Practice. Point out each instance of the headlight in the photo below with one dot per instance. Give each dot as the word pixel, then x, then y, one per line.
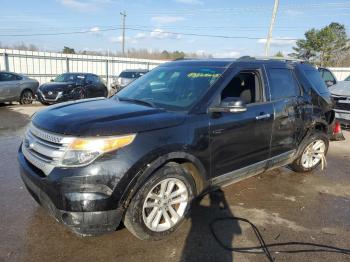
pixel 83 151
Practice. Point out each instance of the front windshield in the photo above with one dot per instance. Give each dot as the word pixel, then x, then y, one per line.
pixel 172 87
pixel 69 78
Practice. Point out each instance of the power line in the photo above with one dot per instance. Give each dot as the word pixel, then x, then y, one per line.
pixel 147 30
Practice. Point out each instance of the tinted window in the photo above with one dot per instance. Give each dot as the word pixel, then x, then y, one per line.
pixel 327 76
pixel 347 79
pixel 7 77
pixel 70 78
pixel 128 74
pixel 282 84
pixel 92 78
pixel 315 80
pixel 173 87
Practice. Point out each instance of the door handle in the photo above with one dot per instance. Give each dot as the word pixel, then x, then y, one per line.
pixel 262 116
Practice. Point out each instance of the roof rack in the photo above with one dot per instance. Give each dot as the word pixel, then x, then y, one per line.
pixel 277 58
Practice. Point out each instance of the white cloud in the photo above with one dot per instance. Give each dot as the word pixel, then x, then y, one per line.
pixel 94 29
pixel 165 19
pixel 140 36
pixel 161 34
pixel 227 54
pixel 190 2
pixel 281 41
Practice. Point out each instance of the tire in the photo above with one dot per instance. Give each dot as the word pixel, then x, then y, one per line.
pixel 44 103
pixel 137 212
pixel 314 140
pixel 26 97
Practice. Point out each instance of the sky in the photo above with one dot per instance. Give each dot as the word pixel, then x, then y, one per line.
pixel 154 24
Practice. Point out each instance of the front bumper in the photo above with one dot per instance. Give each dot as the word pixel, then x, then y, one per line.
pixel 83 216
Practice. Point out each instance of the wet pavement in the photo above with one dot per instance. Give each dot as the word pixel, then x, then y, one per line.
pixel 285 206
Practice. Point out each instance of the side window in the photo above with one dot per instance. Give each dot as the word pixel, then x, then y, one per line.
pixel 282 84
pixel 92 78
pixel 246 85
pixel 7 77
pixel 327 77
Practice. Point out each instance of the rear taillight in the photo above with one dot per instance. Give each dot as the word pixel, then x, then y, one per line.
pixel 337 128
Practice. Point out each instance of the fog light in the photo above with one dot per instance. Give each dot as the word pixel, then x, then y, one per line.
pixel 85 196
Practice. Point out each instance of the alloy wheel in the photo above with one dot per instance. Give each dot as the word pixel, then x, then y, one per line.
pixel 165 205
pixel 27 98
pixel 313 153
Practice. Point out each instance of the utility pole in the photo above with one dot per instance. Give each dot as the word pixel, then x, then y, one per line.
pixel 269 35
pixel 123 14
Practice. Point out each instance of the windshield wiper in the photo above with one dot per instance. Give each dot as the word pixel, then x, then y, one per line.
pixel 138 101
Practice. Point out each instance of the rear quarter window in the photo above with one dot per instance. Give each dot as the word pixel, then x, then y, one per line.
pixel 282 84
pixel 316 81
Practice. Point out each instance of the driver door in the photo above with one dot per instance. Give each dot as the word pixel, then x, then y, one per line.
pixel 241 139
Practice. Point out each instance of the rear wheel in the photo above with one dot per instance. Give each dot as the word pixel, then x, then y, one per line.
pixel 26 97
pixel 313 150
pixel 161 205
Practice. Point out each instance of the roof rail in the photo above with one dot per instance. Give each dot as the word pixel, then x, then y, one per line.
pixel 277 58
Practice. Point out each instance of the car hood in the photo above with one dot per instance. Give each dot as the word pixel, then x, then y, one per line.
pixel 56 86
pixel 342 88
pixel 103 117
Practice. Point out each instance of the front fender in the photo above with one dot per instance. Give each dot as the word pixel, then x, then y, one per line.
pixel 144 170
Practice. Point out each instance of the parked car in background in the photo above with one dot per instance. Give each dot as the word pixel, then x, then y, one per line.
pixel 341 95
pixel 183 129
pixel 327 76
pixel 16 87
pixel 71 86
pixel 126 77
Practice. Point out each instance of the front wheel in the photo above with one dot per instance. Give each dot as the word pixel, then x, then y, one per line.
pixel 162 203
pixel 313 150
pixel 26 97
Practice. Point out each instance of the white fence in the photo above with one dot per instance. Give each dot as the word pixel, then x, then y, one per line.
pixel 340 72
pixel 44 66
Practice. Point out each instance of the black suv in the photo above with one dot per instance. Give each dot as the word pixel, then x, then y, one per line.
pixel 71 86
pixel 183 129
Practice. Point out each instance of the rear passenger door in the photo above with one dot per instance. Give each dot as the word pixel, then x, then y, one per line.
pixel 9 85
pixel 285 95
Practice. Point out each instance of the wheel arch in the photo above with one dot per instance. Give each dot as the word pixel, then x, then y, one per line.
pixel 26 88
pixel 194 166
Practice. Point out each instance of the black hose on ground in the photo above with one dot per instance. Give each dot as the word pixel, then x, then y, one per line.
pixel 265 248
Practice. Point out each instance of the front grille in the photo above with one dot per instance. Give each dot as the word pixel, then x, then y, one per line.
pixel 43 149
pixel 50 95
pixel 342 106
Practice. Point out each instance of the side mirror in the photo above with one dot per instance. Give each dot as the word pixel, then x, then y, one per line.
pixel 51 80
pixel 230 105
